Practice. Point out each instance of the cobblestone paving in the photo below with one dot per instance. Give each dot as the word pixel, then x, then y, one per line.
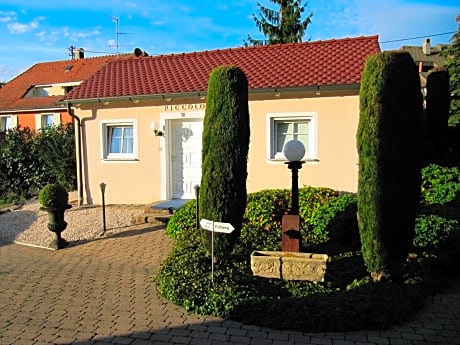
pixel 101 292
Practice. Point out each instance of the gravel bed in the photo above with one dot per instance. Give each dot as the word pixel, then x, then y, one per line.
pixel 26 224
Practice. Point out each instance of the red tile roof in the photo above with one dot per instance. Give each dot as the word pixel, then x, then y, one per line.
pixel 320 63
pixel 46 73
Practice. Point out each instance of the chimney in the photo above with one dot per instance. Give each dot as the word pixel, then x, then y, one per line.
pixel 78 54
pixel 426 48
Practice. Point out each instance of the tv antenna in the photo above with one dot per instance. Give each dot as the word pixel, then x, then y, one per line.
pixel 117 32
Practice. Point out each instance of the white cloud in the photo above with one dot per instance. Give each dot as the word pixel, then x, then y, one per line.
pixel 18 28
pixel 9 16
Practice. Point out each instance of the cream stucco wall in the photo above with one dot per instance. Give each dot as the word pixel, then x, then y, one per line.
pixel 145 180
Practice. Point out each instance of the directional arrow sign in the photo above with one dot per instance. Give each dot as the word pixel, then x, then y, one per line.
pixel 216 226
pixel 206 224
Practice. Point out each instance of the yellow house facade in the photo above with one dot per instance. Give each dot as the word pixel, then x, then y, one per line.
pixel 139 121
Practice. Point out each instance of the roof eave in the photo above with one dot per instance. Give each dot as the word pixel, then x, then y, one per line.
pixel 306 89
pixel 202 94
pixel 24 110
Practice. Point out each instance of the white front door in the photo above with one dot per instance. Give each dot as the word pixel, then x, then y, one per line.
pixel 185 157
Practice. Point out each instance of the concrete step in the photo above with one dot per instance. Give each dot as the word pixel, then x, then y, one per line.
pixel 152 218
pixel 149 209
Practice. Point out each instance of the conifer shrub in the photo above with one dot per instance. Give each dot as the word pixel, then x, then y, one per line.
pixel 53 195
pixel 437 112
pixel 388 138
pixel 224 155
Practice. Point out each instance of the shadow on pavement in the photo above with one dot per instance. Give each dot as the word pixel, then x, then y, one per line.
pixel 131 231
pixel 10 228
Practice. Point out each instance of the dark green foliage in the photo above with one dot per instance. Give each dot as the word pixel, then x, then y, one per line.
pixel 283 26
pixel 56 150
pixel 183 220
pixel 437 113
pixel 348 300
pixel 388 139
pixel 224 155
pixel 326 215
pixel 431 230
pixel 452 63
pixel 439 217
pixel 53 195
pixel 29 160
pixel 440 185
pixel 19 162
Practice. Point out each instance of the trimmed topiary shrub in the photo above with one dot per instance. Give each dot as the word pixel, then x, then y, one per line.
pixel 388 141
pixel 53 196
pixel 437 113
pixel 224 156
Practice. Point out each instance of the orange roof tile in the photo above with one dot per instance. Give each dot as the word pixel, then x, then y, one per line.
pixel 319 63
pixel 46 73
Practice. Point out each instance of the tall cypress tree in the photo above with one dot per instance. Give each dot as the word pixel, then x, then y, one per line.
pixel 452 63
pixel 283 26
pixel 224 155
pixel 437 113
pixel 388 140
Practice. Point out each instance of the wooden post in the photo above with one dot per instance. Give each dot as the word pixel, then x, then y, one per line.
pixel 290 241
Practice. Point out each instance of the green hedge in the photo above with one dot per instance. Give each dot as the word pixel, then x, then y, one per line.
pixel 29 160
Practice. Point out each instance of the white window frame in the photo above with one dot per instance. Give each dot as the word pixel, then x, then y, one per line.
pixel 105 126
pixel 39 119
pixel 272 118
pixel 4 119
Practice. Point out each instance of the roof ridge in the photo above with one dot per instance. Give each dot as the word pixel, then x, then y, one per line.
pixel 102 57
pixel 266 46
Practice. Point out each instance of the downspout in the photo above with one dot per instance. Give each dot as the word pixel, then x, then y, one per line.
pixel 80 162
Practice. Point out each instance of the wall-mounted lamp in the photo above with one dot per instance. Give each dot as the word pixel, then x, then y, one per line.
pixel 156 131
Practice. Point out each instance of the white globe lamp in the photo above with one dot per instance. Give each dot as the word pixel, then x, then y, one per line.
pixel 294 150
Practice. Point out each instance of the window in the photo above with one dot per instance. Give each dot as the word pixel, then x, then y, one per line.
pixel 284 127
pixel 7 122
pixel 119 140
pixel 47 120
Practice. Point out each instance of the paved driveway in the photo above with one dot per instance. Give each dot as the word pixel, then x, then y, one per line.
pixel 101 292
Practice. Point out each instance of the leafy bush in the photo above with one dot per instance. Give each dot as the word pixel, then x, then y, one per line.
pixel 347 300
pixel 183 220
pixel 440 185
pixel 55 146
pixel 19 162
pixel 431 230
pixel 29 159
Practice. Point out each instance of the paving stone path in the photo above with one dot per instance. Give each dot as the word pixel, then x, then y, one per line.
pixel 101 292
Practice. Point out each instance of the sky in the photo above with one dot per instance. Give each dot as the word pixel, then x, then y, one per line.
pixel 39 31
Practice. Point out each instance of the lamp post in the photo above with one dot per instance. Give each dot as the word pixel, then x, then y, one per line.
pixel 102 185
pixel 294 151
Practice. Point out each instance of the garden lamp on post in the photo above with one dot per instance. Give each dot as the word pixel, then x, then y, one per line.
pixel 294 151
pixel 102 185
